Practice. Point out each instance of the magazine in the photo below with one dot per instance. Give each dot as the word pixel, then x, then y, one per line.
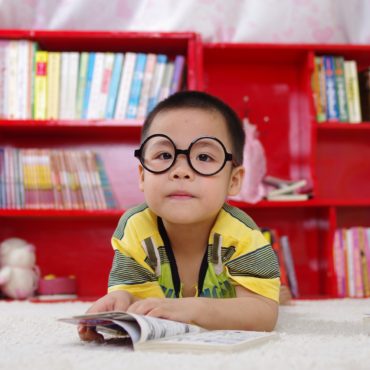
pixel 154 334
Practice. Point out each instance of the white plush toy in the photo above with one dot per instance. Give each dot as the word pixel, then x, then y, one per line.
pixel 18 273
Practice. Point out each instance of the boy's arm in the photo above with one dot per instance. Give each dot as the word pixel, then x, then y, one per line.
pixel 248 311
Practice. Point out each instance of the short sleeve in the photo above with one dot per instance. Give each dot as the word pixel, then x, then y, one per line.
pixel 130 268
pixel 254 266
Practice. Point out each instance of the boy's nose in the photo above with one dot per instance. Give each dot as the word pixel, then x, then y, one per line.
pixel 181 168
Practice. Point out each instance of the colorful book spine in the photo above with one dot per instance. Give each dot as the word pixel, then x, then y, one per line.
pixel 332 112
pixel 125 84
pixel 105 82
pixel 81 84
pixel 41 84
pixel 136 84
pixel 3 47
pixel 339 263
pixel 157 81
pixel 353 93
pixel 72 84
pixel 293 282
pixel 166 82
pixel 178 74
pixel 364 84
pixel 361 231
pixel 23 83
pixel 12 79
pixel 89 77
pixel 340 86
pixel 114 86
pixel 359 287
pixel 53 88
pixel 108 194
pixel 95 94
pixel 147 81
pixel 64 80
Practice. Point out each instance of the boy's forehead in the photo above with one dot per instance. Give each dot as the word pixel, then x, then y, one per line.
pixel 183 125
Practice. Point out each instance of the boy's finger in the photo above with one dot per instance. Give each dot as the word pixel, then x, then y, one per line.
pixel 89 334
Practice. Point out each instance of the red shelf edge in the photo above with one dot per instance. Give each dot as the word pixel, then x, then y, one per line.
pixel 16 123
pixel 60 213
pixel 336 126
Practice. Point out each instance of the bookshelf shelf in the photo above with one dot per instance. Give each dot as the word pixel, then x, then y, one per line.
pixel 305 204
pixel 355 127
pixel 54 213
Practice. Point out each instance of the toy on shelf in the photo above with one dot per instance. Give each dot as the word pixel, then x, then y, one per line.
pixel 57 287
pixel 19 274
pixel 252 190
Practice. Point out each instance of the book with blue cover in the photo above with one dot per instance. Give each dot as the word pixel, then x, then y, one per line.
pixel 137 81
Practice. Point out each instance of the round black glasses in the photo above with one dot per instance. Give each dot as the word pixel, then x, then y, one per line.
pixel 205 155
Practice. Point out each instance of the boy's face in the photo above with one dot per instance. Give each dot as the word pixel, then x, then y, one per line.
pixel 181 195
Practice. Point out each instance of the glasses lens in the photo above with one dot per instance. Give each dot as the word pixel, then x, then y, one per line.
pixel 207 156
pixel 158 154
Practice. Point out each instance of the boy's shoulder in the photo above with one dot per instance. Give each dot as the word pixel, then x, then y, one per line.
pixel 140 216
pixel 234 215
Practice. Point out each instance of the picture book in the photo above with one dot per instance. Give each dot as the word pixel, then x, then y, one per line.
pixel 154 334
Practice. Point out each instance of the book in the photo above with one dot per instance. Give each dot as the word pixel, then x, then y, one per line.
pixel 288 187
pixel 136 85
pixel 154 334
pixel 124 85
pixel 288 197
pixel 332 111
pixel 285 190
pixel 114 85
pixel 289 261
pixel 364 84
pixel 353 91
pixel 40 85
pixel 340 86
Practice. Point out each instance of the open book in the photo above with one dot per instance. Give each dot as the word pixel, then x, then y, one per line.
pixel 150 333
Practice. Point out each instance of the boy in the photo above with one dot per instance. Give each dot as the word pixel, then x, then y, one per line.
pixel 185 242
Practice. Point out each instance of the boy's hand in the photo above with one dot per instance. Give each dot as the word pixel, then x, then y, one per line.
pixel 181 309
pixel 114 301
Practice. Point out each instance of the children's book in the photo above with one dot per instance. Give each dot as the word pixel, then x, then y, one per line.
pixel 153 334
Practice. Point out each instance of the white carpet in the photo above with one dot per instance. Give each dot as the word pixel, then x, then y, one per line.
pixel 326 334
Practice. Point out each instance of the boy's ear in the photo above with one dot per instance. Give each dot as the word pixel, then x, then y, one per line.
pixel 141 177
pixel 236 180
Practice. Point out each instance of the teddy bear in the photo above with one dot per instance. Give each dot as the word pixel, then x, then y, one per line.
pixel 18 273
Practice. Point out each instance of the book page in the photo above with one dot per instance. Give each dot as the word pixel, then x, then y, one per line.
pixel 215 340
pixel 155 328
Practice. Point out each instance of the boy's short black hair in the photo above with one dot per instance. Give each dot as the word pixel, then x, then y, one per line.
pixel 201 100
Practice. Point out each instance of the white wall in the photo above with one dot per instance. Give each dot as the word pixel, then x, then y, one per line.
pixel 277 21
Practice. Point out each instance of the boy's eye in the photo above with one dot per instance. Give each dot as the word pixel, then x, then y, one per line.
pixel 164 156
pixel 204 157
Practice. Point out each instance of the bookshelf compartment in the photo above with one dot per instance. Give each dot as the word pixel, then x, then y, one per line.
pixel 246 77
pixel 307 230
pixel 68 246
pixel 342 164
pixel 353 217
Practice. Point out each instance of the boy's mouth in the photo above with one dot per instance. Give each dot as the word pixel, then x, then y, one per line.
pixel 180 195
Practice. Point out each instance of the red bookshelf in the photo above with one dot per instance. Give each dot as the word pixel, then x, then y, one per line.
pixel 77 242
pixel 269 83
pixel 272 85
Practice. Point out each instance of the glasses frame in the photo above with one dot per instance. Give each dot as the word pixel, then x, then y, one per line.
pixel 186 152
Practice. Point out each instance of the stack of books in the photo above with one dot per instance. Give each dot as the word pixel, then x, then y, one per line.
pixel 336 90
pixel 278 189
